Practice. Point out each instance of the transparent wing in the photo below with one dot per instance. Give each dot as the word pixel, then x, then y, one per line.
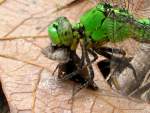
pixel 139 9
pixel 73 9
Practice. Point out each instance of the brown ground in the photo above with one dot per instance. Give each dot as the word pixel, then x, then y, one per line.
pixel 25 73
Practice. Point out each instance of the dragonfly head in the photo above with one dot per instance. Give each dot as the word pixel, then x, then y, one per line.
pixel 60 32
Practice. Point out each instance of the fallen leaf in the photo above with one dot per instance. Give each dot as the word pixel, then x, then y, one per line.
pixel 26 74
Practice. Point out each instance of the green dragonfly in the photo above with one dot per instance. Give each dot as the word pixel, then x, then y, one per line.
pixel 106 22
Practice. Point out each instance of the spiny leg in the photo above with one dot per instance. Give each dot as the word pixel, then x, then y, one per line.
pixel 89 68
pixel 104 51
pixel 70 70
pixel 79 67
pixel 90 81
pixel 93 53
pixel 76 63
pixel 145 89
pixel 69 67
pixel 84 58
pixel 113 50
pixel 56 68
pixel 81 64
pixel 108 52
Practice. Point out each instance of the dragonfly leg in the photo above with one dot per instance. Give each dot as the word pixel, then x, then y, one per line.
pixel 108 52
pixel 106 65
pixel 113 64
pixel 113 50
pixel 81 65
pixel 72 71
pixel 89 67
pixel 94 55
pixel 89 83
pixel 142 92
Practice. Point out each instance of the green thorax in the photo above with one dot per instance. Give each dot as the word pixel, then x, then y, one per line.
pixel 105 23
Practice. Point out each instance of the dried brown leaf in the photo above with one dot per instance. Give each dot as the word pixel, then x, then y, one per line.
pixel 26 75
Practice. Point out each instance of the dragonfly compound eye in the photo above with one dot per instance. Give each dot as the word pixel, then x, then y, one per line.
pixel 60 32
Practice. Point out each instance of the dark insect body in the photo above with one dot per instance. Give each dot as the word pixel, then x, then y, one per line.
pixel 70 68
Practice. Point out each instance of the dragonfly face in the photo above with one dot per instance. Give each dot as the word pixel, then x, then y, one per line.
pixel 60 32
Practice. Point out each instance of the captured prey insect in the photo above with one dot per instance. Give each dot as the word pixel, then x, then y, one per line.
pixel 68 62
pixel 101 24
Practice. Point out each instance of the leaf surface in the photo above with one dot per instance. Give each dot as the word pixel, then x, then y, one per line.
pixel 26 74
